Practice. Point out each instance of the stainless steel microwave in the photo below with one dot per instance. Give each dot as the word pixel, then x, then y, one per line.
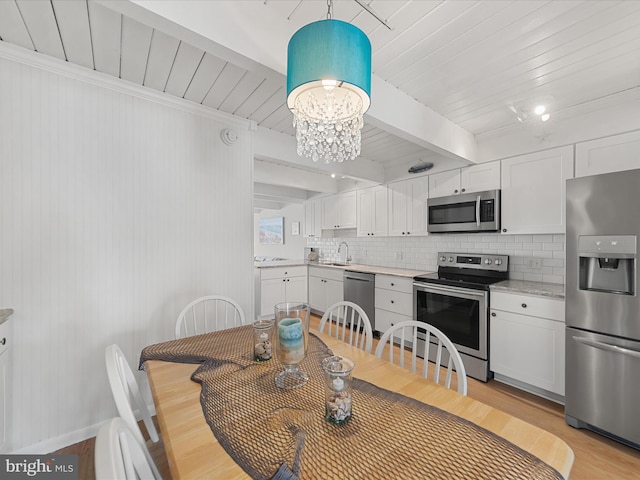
pixel 468 212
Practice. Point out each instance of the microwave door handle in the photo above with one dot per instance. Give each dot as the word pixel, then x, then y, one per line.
pixel 478 210
pixel 608 347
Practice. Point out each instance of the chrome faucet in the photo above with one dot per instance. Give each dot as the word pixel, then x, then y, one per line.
pixel 347 258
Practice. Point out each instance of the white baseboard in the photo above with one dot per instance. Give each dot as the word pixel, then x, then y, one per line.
pixel 70 438
pixel 52 444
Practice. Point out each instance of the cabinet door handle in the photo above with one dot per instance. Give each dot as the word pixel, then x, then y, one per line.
pixel 504 229
pixel 455 191
pixel 393 284
pixel 524 305
pixel 3 341
pixel 493 314
pixel 463 190
pixel 392 301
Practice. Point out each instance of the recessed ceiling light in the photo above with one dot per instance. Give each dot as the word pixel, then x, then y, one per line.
pixel 333 175
pixel 545 117
pixel 540 109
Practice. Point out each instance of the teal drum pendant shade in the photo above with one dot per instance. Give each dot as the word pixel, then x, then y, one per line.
pixel 328 88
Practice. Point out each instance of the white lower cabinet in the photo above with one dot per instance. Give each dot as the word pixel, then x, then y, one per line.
pixel 393 301
pixel 278 285
pixel 527 342
pixel 325 287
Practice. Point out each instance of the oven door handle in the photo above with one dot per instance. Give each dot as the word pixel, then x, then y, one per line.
pixel 449 290
pixel 478 210
pixel 608 346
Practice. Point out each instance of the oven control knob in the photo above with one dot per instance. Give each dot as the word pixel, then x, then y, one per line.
pixel 487 261
pixel 451 259
pixel 443 258
pixel 498 261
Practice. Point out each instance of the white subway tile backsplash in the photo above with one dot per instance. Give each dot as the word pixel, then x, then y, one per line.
pixel 532 277
pixel 420 253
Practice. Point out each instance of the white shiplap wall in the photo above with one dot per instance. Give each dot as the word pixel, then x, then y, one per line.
pixel 116 209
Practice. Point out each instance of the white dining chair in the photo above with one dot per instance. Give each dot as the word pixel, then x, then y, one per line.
pixel 127 396
pixel 119 456
pixel 209 314
pixel 348 322
pixel 405 335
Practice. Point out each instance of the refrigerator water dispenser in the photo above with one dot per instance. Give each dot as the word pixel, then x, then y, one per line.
pixel 607 263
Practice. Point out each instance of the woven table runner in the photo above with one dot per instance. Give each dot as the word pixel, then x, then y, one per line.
pixel 275 433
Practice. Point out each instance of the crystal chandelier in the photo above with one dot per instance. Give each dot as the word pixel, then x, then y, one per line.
pixel 328 87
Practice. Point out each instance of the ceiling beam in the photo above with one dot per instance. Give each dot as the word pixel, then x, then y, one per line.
pixel 289 194
pixel 276 173
pixel 256 39
pixel 279 147
pixel 263 204
pixel 396 112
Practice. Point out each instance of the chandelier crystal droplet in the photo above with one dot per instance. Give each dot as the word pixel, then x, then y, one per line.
pixel 328 128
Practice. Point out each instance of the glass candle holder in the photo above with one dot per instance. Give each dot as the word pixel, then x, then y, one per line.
pixel 262 340
pixel 337 397
pixel 291 340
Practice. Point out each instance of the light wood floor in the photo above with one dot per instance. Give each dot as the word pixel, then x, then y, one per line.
pixel 596 457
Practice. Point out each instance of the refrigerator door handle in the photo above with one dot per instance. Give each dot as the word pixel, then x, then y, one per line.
pixel 607 346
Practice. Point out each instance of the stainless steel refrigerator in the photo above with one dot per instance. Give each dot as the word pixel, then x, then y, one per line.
pixel 603 306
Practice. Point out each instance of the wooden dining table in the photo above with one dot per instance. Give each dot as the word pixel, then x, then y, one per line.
pixel 194 453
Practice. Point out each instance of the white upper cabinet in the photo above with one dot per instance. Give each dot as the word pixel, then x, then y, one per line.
pixel 476 178
pixel 610 154
pixel 481 177
pixel 339 211
pixel 313 218
pixel 533 191
pixel 444 184
pixel 372 211
pixel 408 206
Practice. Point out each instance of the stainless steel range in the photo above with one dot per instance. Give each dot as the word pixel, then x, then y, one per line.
pixel 456 301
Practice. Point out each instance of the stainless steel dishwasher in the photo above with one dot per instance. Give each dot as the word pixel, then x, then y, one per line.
pixel 359 288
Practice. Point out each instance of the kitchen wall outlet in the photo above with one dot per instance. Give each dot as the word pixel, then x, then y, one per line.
pixel 533 263
pixel 398 255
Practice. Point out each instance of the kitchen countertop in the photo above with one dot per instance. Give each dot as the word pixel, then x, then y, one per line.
pixel 354 267
pixel 280 263
pixel 555 290
pixel 5 313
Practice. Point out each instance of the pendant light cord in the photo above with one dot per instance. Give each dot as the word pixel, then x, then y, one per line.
pixel 329 9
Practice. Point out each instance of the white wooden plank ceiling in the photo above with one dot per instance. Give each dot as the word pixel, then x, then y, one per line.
pixel 474 62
